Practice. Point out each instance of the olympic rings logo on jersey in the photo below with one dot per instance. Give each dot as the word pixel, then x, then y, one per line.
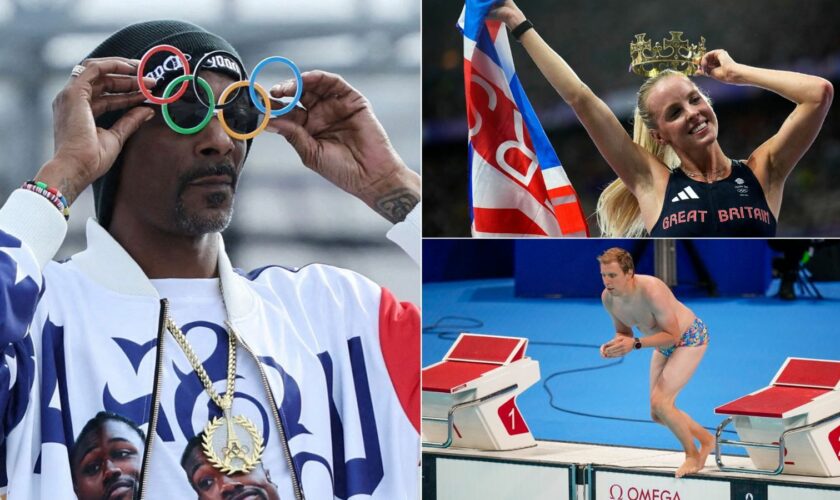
pixel 189 115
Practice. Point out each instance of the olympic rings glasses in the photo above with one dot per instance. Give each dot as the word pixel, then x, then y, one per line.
pixel 239 114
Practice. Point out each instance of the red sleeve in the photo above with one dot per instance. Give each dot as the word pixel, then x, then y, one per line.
pixel 399 336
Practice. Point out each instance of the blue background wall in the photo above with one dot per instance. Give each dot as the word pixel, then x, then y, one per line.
pixel 466 259
pixel 737 267
pixel 545 268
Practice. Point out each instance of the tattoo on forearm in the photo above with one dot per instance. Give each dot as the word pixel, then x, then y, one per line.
pixel 67 189
pixel 396 205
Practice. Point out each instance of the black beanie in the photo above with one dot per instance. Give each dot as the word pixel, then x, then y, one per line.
pixel 133 42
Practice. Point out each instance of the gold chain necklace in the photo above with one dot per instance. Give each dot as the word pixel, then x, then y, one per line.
pixel 716 176
pixel 700 177
pixel 224 450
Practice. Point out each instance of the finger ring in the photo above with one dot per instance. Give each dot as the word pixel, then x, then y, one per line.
pixel 77 70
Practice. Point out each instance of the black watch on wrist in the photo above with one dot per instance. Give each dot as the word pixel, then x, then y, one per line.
pixel 637 344
pixel 520 29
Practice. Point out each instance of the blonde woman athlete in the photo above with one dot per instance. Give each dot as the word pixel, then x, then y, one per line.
pixel 673 178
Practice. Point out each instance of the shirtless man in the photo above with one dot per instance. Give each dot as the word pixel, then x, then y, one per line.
pixel 678 336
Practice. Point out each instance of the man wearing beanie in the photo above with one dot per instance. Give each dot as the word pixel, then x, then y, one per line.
pixel 312 374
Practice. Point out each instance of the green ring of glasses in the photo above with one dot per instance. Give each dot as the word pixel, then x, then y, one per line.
pixel 210 110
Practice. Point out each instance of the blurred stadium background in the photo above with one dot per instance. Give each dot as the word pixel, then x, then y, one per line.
pixel 285 214
pixel 594 37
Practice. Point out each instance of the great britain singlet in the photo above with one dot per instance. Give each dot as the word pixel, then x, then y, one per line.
pixel 734 206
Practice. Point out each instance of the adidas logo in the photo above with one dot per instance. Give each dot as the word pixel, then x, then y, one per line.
pixel 686 194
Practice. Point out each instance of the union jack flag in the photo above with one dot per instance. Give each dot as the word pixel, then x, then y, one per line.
pixel 519 187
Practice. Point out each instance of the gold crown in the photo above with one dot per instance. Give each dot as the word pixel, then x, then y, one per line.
pixel 676 54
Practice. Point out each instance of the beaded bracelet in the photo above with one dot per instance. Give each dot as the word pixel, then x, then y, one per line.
pixel 52 194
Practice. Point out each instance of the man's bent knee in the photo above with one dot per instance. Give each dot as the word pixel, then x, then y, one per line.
pixel 659 408
pixel 654 416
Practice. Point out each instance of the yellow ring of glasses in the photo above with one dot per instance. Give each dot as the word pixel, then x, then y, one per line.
pixel 266 115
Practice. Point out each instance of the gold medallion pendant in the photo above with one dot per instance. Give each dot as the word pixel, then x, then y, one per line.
pixel 232 445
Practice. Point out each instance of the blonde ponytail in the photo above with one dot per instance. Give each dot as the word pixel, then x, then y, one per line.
pixel 618 211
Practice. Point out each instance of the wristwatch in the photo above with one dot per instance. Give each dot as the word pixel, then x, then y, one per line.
pixel 637 344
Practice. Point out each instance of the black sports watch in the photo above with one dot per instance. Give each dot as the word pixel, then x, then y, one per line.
pixel 637 344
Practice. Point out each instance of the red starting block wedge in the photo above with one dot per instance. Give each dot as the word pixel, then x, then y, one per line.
pixel 469 398
pixel 791 426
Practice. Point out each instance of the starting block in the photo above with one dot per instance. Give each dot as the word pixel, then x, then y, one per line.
pixel 469 398
pixel 793 425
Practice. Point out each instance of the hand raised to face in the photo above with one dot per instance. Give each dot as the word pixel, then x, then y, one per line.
pixel 84 152
pixel 337 135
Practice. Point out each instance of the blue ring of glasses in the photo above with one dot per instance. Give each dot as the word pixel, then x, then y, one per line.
pixel 258 102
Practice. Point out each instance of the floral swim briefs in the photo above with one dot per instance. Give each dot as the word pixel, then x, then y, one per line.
pixel 696 335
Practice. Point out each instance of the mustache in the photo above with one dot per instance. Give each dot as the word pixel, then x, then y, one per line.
pixel 205 171
pixel 250 490
pixel 124 480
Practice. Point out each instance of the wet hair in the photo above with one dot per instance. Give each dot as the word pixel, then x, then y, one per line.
pixel 620 256
pixel 618 211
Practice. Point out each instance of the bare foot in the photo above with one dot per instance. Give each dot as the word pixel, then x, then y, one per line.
pixel 707 444
pixel 690 466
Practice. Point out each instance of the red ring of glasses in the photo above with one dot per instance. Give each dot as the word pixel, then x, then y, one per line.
pixel 177 95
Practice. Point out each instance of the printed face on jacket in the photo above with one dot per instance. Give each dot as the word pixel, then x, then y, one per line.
pixel 212 484
pixel 106 459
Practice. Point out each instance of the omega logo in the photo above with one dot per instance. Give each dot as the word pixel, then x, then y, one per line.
pixel 634 493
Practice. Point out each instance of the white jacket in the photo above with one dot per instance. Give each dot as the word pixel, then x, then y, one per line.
pixel 65 334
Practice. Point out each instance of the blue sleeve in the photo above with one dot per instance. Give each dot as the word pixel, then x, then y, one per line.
pixel 20 291
pixel 31 232
pixel 20 280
